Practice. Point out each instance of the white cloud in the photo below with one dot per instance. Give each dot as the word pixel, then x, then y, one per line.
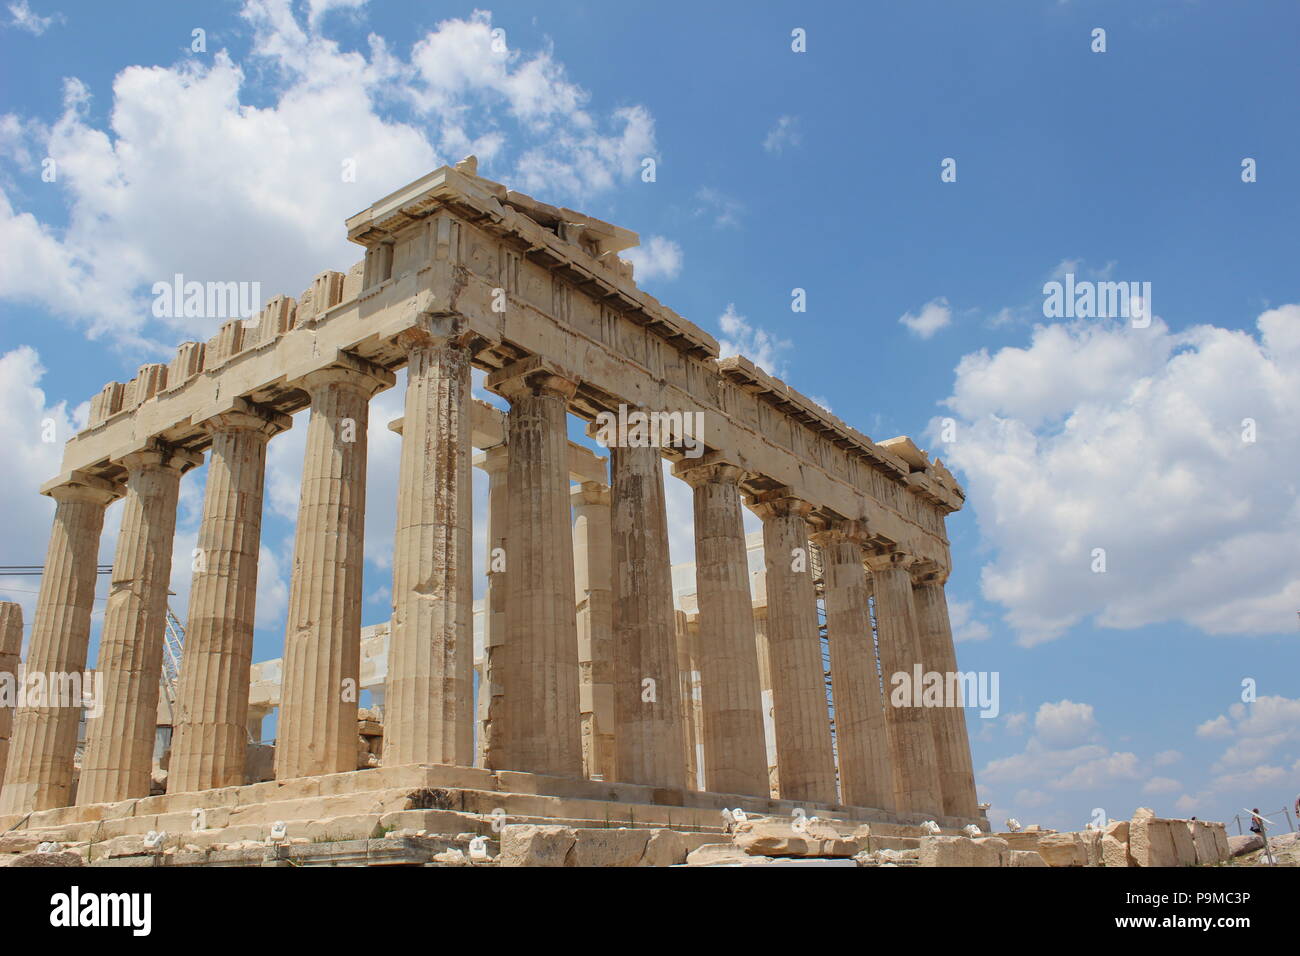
pixel 1255 731
pixel 723 210
pixel 784 133
pixel 26 418
pixel 656 258
pixel 24 18
pixel 1161 785
pixel 1065 724
pixel 316 9
pixel 758 345
pixel 934 315
pixel 257 192
pixel 1166 758
pixel 1097 435
pixel 965 626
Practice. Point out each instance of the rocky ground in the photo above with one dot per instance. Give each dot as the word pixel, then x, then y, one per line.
pixel 1286 850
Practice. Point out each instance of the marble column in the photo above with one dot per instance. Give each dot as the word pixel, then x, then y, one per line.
pixel 44 743
pixel 805 760
pixel 317 730
pixel 735 757
pixel 210 742
pixel 118 762
pixel 688 680
pixel 647 701
pixel 866 773
pixel 494 461
pixel 538 729
pixel 592 544
pixel 765 692
pixel 911 741
pixel 11 646
pixel 948 723
pixel 429 696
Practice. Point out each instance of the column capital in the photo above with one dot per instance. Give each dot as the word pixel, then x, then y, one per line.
pixel 779 503
pixel 351 371
pixel 891 560
pixel 82 486
pixel 589 493
pixel 926 572
pixel 431 331
pixel 532 376
pixel 247 416
pixel 710 468
pixel 841 531
pixel 157 454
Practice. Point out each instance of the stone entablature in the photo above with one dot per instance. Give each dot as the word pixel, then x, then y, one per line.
pixel 455 239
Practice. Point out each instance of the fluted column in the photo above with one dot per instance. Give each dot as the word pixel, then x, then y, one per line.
pixel 494 461
pixel 429 706
pixel 866 774
pixel 688 679
pixel 805 761
pixel 948 723
pixel 538 729
pixel 911 741
pixel 11 645
pixel 44 743
pixel 592 543
pixel 765 693
pixel 317 731
pixel 735 757
pixel 647 701
pixel 118 763
pixel 210 742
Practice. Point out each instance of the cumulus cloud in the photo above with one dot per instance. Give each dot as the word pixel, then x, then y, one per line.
pixel 286 160
pixel 1255 731
pixel 965 626
pixel 27 418
pixel 24 18
pixel 318 8
pixel 656 258
pixel 1064 724
pixel 1161 785
pixel 1174 452
pixel 785 133
pixel 741 337
pixel 934 315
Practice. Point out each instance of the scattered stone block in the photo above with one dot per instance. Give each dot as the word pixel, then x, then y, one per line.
pixel 526 844
pixel 1114 845
pixel 1246 843
pixel 620 847
pixel 1156 842
pixel 1025 858
pixel 722 854
pixel 1209 841
pixel 1063 849
pixel 61 858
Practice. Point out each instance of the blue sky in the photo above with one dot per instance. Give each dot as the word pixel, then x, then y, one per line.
pixel 777 170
